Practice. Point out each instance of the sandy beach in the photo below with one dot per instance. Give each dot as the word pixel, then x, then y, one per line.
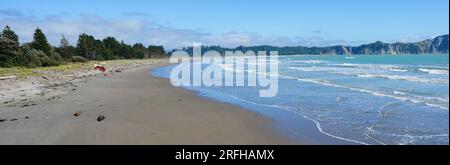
pixel 137 108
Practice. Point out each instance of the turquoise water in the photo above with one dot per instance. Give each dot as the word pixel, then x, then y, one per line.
pixel 395 99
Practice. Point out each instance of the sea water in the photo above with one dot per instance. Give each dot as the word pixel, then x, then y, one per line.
pixel 363 99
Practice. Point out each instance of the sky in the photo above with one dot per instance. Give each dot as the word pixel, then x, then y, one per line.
pixel 230 23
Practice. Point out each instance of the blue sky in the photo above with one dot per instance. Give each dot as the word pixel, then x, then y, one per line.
pixel 177 23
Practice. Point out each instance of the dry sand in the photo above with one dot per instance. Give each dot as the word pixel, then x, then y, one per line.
pixel 138 109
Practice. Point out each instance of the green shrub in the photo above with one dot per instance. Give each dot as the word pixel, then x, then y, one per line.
pixel 78 59
pixel 35 58
pixel 48 61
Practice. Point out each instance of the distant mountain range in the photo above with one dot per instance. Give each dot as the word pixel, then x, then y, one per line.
pixel 438 45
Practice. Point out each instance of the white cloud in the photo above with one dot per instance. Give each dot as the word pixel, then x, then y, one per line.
pixel 143 30
pixel 136 14
pixel 10 13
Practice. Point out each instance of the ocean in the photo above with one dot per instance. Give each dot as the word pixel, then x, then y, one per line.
pixel 359 99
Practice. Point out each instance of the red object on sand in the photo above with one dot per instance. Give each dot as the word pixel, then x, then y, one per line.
pixel 101 68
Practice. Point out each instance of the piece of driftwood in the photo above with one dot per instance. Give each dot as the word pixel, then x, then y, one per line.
pixel 8 77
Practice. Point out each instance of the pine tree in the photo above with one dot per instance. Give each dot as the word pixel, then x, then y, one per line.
pixel 9 34
pixel 40 42
pixel 64 43
pixel 65 49
pixel 9 46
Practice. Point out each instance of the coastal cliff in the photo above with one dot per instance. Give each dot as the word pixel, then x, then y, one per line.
pixel 438 45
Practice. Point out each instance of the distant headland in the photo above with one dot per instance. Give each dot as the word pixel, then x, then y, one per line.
pixel 438 45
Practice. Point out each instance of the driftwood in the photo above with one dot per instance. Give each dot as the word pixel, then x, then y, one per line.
pixel 8 77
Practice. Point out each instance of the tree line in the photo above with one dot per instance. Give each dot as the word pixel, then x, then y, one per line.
pixel 40 53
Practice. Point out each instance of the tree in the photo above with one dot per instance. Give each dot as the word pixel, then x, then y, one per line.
pixel 126 51
pixel 140 51
pixel 66 50
pixel 112 44
pixel 106 54
pixel 86 46
pixel 156 50
pixel 99 50
pixel 40 42
pixel 9 46
pixel 10 34
pixel 64 43
pixel 7 52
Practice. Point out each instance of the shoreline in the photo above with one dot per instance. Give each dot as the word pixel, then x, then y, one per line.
pixel 139 109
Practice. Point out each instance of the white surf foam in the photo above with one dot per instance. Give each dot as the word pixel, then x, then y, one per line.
pixel 310 61
pixel 402 139
pixel 370 66
pixel 434 71
pixel 366 74
pixel 399 93
pixel 398 70
pixel 404 77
